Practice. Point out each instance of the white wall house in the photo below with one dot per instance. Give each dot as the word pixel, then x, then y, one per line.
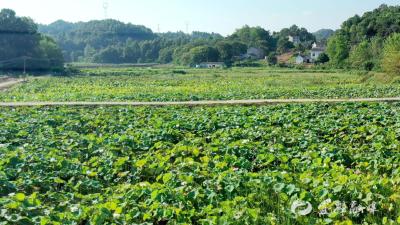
pixel 316 51
pixel 301 59
pixel 255 53
pixel 294 39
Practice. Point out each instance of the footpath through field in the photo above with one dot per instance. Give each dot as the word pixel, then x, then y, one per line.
pixel 258 102
pixel 9 82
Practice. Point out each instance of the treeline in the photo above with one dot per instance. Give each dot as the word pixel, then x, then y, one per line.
pixel 22 47
pixel 111 41
pixel 368 42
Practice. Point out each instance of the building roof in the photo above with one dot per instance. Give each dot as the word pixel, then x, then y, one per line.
pixel 303 56
pixel 318 49
pixel 219 63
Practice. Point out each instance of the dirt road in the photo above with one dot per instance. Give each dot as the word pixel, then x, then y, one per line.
pixel 9 82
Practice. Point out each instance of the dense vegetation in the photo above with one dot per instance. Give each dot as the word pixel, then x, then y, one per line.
pixel 323 35
pixel 360 41
pixel 230 165
pixel 169 84
pixel 111 41
pixel 20 41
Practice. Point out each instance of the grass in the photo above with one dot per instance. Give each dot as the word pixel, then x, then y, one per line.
pixel 165 84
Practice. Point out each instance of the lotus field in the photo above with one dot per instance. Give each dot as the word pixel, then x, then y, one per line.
pixel 284 164
pixel 192 85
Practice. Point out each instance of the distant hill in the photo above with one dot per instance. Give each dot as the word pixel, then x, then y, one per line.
pixel 75 38
pixel 112 41
pixel 323 34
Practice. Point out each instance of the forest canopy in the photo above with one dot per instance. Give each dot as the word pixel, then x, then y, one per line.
pixel 360 41
pixel 22 46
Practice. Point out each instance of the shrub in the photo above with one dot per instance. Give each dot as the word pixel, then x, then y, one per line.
pixel 391 55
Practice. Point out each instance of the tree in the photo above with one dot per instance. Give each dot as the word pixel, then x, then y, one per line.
pixel 323 58
pixel 111 54
pixel 89 52
pixel 391 55
pixel 272 59
pixel 201 54
pixel 51 55
pixel 284 45
pixel 23 47
pixel 254 37
pixel 165 55
pixel 131 52
pixel 323 35
pixel 338 49
pixel 372 28
pixel 361 55
pixel 225 50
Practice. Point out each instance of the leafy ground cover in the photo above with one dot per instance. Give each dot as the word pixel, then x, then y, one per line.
pixel 287 164
pixel 166 84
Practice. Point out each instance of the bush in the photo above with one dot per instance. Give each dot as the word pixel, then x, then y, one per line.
pixel 391 55
pixel 183 72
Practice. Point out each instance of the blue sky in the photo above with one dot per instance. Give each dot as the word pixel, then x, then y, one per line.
pixel 222 16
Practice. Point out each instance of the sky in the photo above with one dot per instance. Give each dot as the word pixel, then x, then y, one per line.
pixel 220 16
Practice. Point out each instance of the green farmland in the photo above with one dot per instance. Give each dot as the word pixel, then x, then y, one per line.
pixel 172 85
pixel 285 164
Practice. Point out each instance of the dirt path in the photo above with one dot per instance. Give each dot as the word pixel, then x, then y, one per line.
pixel 9 82
pixel 199 103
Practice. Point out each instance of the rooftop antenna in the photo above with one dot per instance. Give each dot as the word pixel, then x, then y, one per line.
pixel 105 7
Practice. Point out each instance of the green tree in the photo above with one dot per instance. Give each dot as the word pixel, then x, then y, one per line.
pixel 225 50
pixel 338 49
pixel 166 55
pixel 254 37
pixel 272 59
pixel 21 46
pixel 89 52
pixel 361 56
pixel 51 55
pixel 284 45
pixel 323 58
pixel 391 55
pixel 201 54
pixel 111 54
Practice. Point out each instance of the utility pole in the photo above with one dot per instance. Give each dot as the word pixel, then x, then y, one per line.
pixel 24 65
pixel 24 74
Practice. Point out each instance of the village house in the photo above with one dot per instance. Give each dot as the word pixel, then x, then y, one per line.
pixel 301 59
pixel 252 53
pixel 255 53
pixel 294 39
pixel 316 51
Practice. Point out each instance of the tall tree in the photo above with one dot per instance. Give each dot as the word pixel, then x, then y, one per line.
pixel 391 55
pixel 21 46
pixel 338 49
